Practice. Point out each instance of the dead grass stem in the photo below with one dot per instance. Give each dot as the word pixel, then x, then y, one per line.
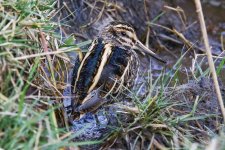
pixel 209 55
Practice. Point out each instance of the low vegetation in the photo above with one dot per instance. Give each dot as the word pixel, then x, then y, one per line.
pixel 34 71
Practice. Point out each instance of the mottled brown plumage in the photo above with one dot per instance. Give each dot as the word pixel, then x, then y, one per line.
pixel 110 64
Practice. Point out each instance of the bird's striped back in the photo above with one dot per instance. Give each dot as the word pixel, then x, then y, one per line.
pixel 110 64
pixel 103 65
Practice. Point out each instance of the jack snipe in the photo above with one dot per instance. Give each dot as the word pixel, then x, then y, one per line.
pixel 110 64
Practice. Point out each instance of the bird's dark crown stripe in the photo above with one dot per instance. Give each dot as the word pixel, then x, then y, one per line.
pixel 126 28
pixel 119 23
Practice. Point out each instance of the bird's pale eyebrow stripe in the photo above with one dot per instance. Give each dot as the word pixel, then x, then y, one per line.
pixel 127 36
pixel 83 61
pixel 125 27
pixel 105 57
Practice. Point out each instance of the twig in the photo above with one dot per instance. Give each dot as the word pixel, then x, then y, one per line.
pixel 68 9
pixel 180 35
pixel 47 53
pixel 96 19
pixel 3 97
pixel 44 45
pixel 40 129
pixel 158 145
pixel 180 13
pixel 209 55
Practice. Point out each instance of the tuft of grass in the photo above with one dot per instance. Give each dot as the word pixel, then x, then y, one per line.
pixel 33 69
pixel 166 118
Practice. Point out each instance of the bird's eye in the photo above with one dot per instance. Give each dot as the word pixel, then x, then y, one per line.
pixel 123 33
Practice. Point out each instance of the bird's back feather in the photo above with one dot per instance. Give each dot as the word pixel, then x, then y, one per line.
pixel 116 60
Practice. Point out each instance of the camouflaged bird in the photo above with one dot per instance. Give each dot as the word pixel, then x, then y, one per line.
pixel 110 64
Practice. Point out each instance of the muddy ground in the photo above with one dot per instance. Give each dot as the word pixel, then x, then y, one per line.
pixel 87 17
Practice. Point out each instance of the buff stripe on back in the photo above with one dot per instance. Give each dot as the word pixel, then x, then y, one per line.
pixel 93 44
pixel 104 59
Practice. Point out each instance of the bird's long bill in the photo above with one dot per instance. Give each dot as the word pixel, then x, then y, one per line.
pixel 141 46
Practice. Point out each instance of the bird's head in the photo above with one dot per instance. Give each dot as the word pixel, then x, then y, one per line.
pixel 123 35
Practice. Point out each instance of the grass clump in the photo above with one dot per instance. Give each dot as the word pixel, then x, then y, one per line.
pixel 29 48
pixel 171 114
